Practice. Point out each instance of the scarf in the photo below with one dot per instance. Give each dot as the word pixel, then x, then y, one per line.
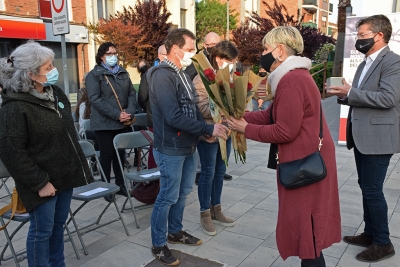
pixel 291 63
pixel 112 70
pixel 47 95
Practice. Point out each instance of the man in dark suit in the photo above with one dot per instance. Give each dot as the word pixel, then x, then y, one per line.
pixel 373 130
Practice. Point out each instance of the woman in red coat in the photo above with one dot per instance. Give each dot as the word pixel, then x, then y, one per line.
pixel 309 216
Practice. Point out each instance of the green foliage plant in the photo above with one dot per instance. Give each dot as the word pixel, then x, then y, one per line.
pixel 211 17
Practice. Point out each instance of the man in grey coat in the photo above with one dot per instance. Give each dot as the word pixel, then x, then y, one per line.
pixel 373 130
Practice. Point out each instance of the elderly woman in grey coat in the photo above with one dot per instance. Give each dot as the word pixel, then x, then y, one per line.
pixel 40 149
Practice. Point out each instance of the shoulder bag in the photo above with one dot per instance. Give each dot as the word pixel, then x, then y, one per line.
pixel 126 123
pixel 15 206
pixel 302 172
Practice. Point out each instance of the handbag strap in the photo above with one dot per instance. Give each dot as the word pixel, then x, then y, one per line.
pixel 12 206
pixel 115 94
pixel 147 136
pixel 321 132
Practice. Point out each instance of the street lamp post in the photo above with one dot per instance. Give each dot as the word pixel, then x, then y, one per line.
pixel 227 20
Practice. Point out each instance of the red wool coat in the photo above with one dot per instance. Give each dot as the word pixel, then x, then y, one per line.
pixel 308 217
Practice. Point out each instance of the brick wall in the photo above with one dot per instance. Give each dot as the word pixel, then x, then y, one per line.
pixel 30 8
pixel 235 7
pixel 21 8
pixel 79 17
pixel 291 6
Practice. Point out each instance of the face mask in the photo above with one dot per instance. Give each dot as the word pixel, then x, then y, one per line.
pixel 186 60
pixel 143 69
pixel 224 64
pixel 364 45
pixel 111 60
pixel 267 60
pixel 262 74
pixel 52 77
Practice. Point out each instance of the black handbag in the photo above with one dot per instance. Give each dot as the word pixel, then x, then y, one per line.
pixel 308 170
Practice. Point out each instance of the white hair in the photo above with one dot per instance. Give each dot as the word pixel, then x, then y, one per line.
pixel 26 58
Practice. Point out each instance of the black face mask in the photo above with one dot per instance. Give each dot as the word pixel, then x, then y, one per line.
pixel 266 61
pixel 364 45
pixel 143 69
pixel 262 74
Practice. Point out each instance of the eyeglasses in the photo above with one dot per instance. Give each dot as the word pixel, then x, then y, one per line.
pixel 210 45
pixel 111 54
pixel 362 35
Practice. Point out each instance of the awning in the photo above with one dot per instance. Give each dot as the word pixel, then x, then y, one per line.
pixel 22 29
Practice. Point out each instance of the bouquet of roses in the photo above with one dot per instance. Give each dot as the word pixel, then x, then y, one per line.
pixel 229 95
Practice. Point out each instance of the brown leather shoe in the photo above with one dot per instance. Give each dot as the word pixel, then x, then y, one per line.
pixel 362 240
pixel 376 253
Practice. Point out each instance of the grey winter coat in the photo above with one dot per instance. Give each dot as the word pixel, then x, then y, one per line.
pixel 105 111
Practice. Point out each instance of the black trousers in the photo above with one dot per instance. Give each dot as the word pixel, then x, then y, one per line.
pixel 108 156
pixel 318 262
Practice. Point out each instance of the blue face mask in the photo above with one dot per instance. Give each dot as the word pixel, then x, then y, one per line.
pixel 111 60
pixel 52 77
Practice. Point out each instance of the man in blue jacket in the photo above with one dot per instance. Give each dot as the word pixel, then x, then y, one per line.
pixel 177 124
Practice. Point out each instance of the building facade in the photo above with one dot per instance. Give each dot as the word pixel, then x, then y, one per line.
pixel 182 16
pixel 244 8
pixel 31 20
pixel 316 14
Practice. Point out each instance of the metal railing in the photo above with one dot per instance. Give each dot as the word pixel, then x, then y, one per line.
pixel 324 69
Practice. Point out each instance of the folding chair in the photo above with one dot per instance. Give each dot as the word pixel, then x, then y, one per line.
pixel 22 219
pixel 141 120
pixel 87 193
pixel 76 124
pixel 4 178
pixel 129 141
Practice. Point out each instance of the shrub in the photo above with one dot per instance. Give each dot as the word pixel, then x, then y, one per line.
pixel 319 77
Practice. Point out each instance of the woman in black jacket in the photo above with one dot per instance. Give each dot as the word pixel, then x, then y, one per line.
pixel 39 147
pixel 106 118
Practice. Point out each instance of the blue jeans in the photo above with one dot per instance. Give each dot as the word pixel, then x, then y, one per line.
pixel 212 173
pixel 264 105
pixel 371 171
pixel 176 182
pixel 45 241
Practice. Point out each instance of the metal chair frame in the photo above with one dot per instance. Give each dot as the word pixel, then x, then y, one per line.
pixel 130 141
pixel 89 152
pixel 22 219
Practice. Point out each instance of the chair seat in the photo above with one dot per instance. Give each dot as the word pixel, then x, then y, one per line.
pixel 137 176
pixel 78 193
pixel 18 217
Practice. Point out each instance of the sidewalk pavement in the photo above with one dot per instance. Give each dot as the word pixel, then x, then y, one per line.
pixel 251 198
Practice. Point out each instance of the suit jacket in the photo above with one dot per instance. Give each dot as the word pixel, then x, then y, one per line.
pixel 375 107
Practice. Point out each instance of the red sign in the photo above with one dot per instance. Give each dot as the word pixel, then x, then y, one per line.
pixel 22 30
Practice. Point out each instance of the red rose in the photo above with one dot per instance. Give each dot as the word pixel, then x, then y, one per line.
pixel 237 73
pixel 210 75
pixel 249 86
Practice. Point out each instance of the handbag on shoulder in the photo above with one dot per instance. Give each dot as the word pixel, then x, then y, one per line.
pixel 15 206
pixel 126 123
pixel 302 172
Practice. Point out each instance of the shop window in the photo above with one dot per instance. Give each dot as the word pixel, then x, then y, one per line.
pixel 105 8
